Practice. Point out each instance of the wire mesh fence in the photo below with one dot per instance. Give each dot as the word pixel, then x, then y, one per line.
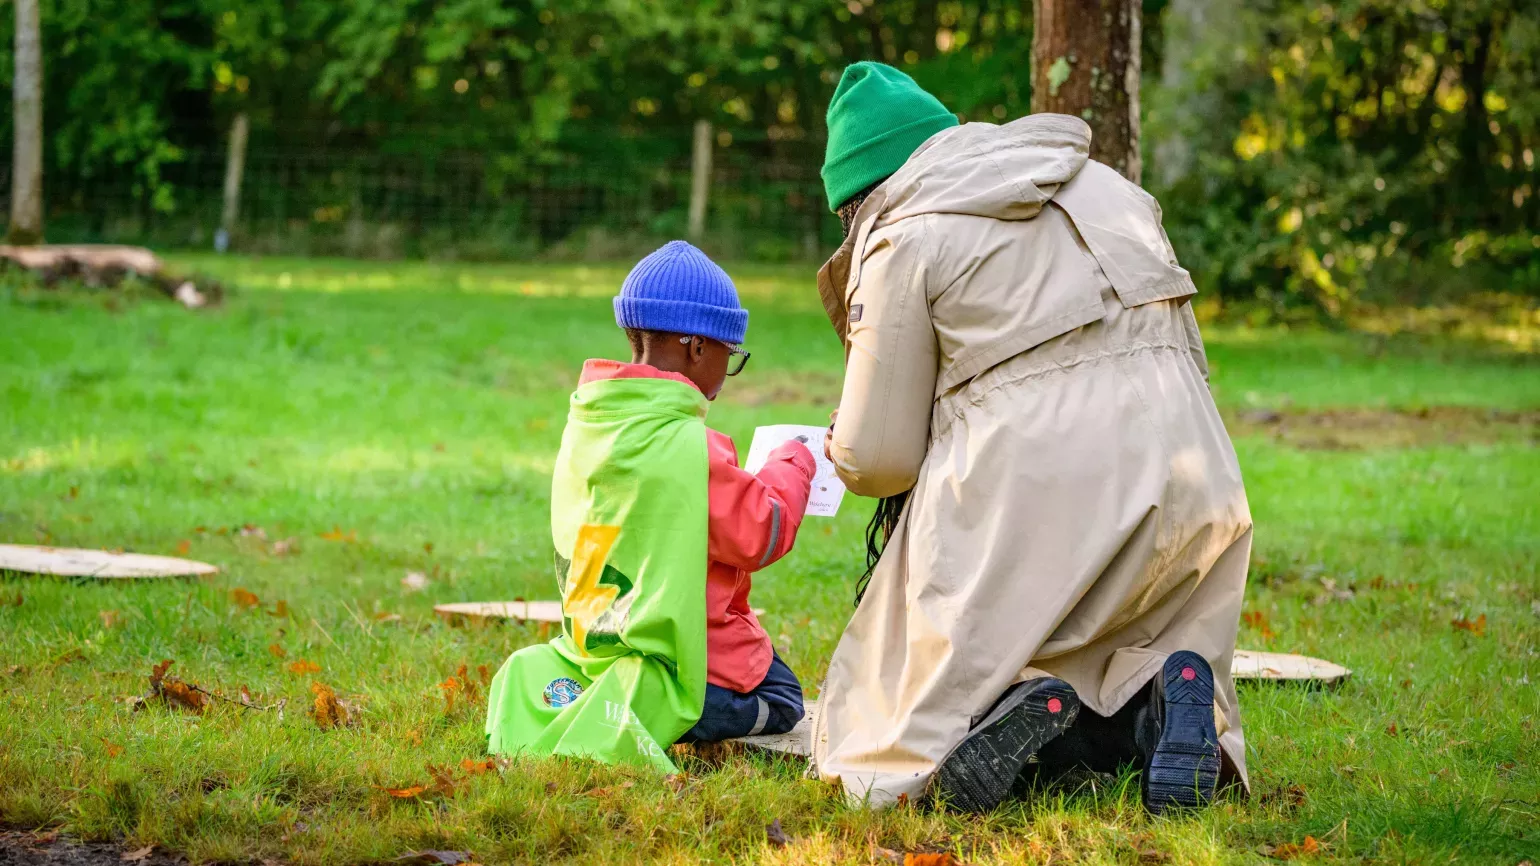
pixel 765 202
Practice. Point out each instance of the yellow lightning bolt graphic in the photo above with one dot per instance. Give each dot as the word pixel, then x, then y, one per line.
pixel 587 599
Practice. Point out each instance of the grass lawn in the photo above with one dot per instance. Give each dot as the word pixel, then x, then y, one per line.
pixel 404 418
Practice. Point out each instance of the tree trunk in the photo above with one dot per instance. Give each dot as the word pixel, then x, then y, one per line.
pixel 1085 62
pixel 27 104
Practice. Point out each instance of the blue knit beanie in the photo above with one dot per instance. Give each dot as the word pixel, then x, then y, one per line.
pixel 678 289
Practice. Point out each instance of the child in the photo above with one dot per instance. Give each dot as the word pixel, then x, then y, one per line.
pixel 656 531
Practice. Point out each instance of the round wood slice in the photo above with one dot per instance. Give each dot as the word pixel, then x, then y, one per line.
pixel 798 741
pixel 1254 665
pixel 523 611
pixel 77 562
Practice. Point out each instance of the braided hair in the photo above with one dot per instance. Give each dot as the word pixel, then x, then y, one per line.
pixel 884 520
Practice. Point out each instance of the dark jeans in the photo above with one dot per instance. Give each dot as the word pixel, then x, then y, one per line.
pixel 774 707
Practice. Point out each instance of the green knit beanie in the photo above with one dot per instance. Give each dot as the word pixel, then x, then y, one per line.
pixel 877 119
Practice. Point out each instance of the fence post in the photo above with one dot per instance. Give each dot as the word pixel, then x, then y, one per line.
pixel 235 167
pixel 700 178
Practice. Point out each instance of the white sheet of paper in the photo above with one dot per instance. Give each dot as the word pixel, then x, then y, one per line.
pixel 828 490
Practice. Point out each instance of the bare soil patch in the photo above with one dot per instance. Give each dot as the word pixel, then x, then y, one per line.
pixel 1358 429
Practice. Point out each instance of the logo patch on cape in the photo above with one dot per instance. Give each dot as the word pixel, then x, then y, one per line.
pixel 855 312
pixel 561 691
pixel 594 593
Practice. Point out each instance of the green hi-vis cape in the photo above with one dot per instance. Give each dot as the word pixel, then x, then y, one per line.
pixel 627 675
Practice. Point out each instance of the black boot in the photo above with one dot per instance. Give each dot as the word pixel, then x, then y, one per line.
pixel 1177 738
pixel 977 775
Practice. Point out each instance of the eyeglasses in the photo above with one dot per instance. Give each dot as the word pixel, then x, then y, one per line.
pixel 737 358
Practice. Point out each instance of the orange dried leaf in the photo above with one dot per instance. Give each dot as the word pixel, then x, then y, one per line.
pixel 1291 851
pixel 182 547
pixel 406 793
pixel 449 687
pixel 328 711
pixel 336 534
pixel 177 692
pixel 136 856
pixel 158 673
pixel 928 859
pixel 244 597
pixel 1258 620
pixel 285 547
pixel 113 749
pixel 1477 626
pixel 485 673
pixel 281 609
pixel 110 618
pixel 277 651
pixel 304 666
pixel 475 767
pixel 414 737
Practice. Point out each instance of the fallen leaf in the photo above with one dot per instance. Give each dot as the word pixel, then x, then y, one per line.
pixel 1291 851
pixel 1152 855
pixel 199 530
pixel 1393 730
pixel 435 858
pixel 337 534
pixel 250 530
pixel 285 547
pixel 110 618
pixel 15 671
pixel 277 651
pixel 7 602
pixel 944 858
pixel 774 834
pixel 244 597
pixel 449 687
pixel 113 749
pixel 384 616
pixel 485 673
pixel 1477 626
pixel 415 581
pixel 73 494
pixel 427 547
pixel 48 838
pixel 1406 684
pixel 406 793
pixel 443 780
pixel 304 666
pixel 887 854
pixel 328 711
pixel 182 547
pixel 136 856
pixel 171 690
pixel 476 767
pixel 280 610
pixel 1258 620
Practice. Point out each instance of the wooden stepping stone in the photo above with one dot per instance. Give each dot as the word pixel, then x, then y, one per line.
pixel 1286 667
pixel 77 562
pixel 1248 665
pixel 460 613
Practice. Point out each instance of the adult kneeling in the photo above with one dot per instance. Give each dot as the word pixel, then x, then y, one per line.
pixel 1066 531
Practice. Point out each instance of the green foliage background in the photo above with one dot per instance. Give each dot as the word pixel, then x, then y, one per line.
pixel 1307 153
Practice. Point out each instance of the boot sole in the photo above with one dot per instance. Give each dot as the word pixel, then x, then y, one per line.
pixel 977 775
pixel 1183 769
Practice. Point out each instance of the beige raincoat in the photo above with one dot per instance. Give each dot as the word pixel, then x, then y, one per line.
pixel 1021 352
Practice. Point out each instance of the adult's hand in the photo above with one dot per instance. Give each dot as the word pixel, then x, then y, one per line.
pixel 833 416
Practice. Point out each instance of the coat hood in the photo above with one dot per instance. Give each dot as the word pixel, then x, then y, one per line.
pixel 1003 172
